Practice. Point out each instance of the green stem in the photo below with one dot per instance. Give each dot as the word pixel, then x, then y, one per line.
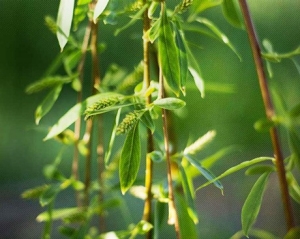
pixel 150 144
pixel 173 216
pixel 270 112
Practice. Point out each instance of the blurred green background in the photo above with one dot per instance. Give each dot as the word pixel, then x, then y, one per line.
pixel 27 47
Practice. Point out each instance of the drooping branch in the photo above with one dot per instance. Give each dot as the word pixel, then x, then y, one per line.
pixel 80 70
pixel 270 112
pixel 150 145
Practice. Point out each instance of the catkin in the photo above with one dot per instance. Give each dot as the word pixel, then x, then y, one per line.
pixel 129 121
pixel 99 105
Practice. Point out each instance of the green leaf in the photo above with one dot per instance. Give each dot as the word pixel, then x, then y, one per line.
pixel 156 156
pixel 99 8
pixel 188 194
pixel 264 125
pixel 58 214
pixel 201 5
pixel 160 212
pixel 47 82
pixel 71 60
pixel 199 82
pixel 47 103
pixel 253 202
pixel 34 193
pixel 73 114
pixel 134 19
pixel 112 139
pixel 168 54
pixel 293 233
pixel 257 233
pixel 205 172
pixel 237 168
pixel 147 121
pixel 182 54
pixel 295 146
pixel 153 32
pixel 169 103
pixel 221 36
pixel 260 169
pixel 295 111
pixel 64 21
pixel 186 224
pixel 49 194
pixel 130 158
pixel 141 228
pixel 294 188
pixel 231 13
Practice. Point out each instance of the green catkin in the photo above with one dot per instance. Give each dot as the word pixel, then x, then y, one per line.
pixel 129 121
pixel 99 105
pixel 184 5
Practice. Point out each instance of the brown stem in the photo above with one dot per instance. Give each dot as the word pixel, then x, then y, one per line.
pixel 80 70
pixel 270 112
pixel 173 217
pixel 100 133
pixel 150 145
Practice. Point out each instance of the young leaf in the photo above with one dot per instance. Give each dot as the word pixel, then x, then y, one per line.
pixel 188 194
pixel 153 32
pixel 237 168
pixel 198 80
pixel 64 21
pixel 148 121
pixel 294 188
pixel 295 146
pixel 260 169
pixel 99 8
pixel 34 193
pixel 49 194
pixel 201 5
pixel 205 172
pixel 130 158
pixel 47 82
pixel 182 54
pixel 186 224
pixel 221 36
pixel 253 202
pixel 112 139
pixel 47 103
pixel 293 233
pixel 73 114
pixel 57 214
pixel 231 13
pixel 133 20
pixel 168 53
pixel 169 103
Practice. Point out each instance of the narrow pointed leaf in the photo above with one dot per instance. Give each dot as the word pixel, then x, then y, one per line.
pixel 64 21
pixel 236 168
pixel 73 114
pixel 253 202
pixel 201 5
pixel 295 146
pixel 47 103
pixel 49 194
pixel 112 139
pixel 148 121
pixel 130 159
pixel 188 194
pixel 182 54
pixel 169 103
pixel 134 19
pixel 57 214
pixel 186 224
pixel 198 81
pixel 168 54
pixel 99 8
pixel 294 188
pixel 219 34
pixel 231 13
pixel 205 172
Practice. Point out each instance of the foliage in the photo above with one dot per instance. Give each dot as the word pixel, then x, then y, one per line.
pixel 142 102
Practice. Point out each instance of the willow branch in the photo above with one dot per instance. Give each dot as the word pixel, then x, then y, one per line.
pixel 173 216
pixel 150 145
pixel 270 112
pixel 80 70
